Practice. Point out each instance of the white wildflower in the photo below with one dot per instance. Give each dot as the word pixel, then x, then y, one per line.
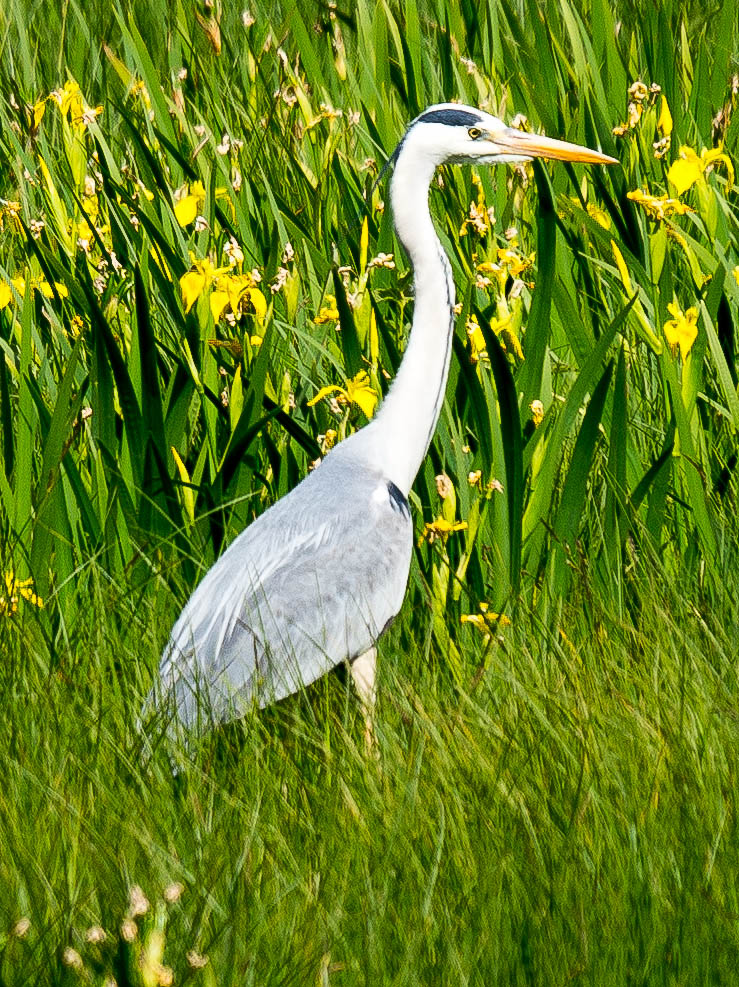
pixel 233 251
pixel 280 280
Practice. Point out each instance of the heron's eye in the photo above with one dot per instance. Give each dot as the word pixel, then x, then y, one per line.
pixel 473 133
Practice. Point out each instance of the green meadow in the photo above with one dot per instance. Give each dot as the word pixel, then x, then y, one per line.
pixel 200 293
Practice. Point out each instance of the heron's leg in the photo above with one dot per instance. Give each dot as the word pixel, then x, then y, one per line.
pixel 364 673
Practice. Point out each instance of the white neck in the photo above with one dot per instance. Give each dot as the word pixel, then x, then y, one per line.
pixel 401 432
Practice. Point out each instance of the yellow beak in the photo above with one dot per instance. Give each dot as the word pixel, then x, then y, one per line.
pixel 535 146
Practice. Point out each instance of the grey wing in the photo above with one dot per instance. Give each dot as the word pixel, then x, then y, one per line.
pixel 313 582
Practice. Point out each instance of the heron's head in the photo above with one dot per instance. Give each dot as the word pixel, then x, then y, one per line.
pixel 451 132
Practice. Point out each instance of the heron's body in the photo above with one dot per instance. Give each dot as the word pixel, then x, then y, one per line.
pixel 289 596
pixel 315 580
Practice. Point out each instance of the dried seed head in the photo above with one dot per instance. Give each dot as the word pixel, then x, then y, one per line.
pixel 70 957
pixel 196 960
pixel 443 485
pixel 537 411
pixel 173 892
pixel 138 903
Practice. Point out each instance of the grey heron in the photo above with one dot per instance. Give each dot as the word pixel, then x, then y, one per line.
pixel 315 580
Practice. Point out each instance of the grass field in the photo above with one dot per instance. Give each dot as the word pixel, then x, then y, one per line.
pixel 190 249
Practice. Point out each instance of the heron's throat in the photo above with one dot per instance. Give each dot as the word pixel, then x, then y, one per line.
pixel 407 418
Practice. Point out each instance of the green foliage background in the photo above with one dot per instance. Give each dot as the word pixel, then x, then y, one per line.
pixel 556 799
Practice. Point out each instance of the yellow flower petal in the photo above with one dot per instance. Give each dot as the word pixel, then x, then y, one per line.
pixel 235 285
pixel 6 295
pixel 324 392
pixel 685 172
pixel 218 302
pixel 186 210
pixel 38 113
pixel 478 347
pixel 259 302
pixel 360 392
pixel 192 286
pixel 664 120
pixel 716 156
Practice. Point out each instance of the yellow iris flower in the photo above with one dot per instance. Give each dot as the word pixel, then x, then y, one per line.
pixel 229 290
pixel 692 167
pixel 658 207
pixel 682 329
pixel 478 348
pixel 14 590
pixel 37 284
pixel 328 313
pixel 440 528
pixel 358 391
pixel 198 280
pixel 72 106
pixel 486 620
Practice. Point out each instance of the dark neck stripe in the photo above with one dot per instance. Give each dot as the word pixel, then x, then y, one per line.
pixel 452 118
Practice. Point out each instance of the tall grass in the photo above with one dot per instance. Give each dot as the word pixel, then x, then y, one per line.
pixel 555 797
